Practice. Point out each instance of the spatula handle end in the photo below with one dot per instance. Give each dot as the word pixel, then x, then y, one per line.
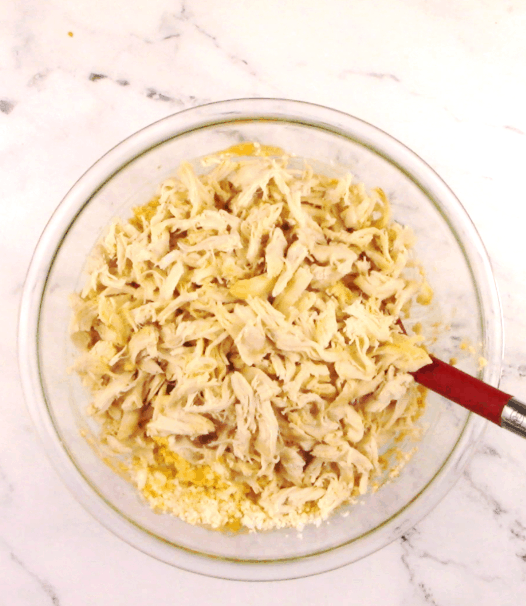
pixel 513 417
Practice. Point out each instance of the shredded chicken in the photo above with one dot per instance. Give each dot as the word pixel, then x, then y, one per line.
pixel 239 338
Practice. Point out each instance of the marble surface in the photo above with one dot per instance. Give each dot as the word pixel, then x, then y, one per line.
pixel 446 78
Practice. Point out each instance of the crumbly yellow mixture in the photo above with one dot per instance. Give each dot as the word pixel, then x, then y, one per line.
pixel 205 494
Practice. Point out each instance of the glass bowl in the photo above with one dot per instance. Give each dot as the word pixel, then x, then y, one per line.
pixel 465 307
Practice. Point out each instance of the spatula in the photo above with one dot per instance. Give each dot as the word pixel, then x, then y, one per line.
pixel 475 395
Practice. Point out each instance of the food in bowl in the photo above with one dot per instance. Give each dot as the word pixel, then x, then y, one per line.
pixel 241 343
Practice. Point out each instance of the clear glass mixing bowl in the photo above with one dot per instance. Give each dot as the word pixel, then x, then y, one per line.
pixel 127 176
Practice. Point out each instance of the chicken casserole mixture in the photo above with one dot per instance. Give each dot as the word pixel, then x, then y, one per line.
pixel 239 339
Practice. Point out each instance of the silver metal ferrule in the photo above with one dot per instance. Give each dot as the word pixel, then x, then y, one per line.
pixel 513 417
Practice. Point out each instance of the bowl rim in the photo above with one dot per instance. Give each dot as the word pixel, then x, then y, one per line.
pixel 184 122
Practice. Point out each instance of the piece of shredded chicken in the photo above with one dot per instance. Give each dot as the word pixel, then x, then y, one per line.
pixel 239 338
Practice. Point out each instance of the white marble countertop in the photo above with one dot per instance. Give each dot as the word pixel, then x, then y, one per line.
pixel 446 78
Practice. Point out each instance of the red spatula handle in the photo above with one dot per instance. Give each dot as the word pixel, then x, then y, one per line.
pixel 463 389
